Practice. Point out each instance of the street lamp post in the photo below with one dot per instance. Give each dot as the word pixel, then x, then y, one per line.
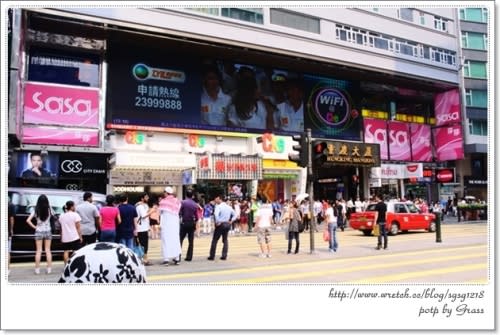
pixel 310 191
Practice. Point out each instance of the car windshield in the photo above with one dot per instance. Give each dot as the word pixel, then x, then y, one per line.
pixel 370 208
pixel 413 208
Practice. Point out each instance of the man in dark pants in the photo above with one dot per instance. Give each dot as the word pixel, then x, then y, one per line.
pixel 380 219
pixel 188 216
pixel 224 215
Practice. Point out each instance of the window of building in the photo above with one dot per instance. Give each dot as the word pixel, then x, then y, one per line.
pixel 63 67
pixel 210 11
pixel 476 98
pixel 295 20
pixel 478 127
pixel 472 40
pixel 440 24
pixel 474 14
pixel 406 14
pixel 253 15
pixel 474 69
pixel 375 9
pixel 422 18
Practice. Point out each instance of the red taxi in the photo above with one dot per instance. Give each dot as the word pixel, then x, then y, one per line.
pixel 401 216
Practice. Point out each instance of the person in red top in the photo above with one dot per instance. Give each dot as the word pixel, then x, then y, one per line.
pixel 110 218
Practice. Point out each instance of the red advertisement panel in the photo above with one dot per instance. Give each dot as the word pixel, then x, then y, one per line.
pixel 376 132
pixel 421 150
pixel 447 107
pixel 399 141
pixel 448 142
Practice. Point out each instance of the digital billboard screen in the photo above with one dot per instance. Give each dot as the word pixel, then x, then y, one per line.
pixel 156 88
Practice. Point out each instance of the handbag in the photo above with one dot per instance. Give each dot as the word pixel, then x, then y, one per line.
pixel 55 226
pixel 302 226
pixel 326 235
pixel 376 229
pixel 138 249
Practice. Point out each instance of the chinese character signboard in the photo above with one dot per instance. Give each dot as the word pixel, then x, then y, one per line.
pixel 229 167
pixel 353 154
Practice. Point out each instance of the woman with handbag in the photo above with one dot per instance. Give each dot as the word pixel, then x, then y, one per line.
pixel 331 215
pixel 293 227
pixel 43 234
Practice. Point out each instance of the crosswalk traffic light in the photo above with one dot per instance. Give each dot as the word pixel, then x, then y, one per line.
pixel 319 155
pixel 302 148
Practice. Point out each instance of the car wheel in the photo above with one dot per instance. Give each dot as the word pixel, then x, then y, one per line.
pixel 432 227
pixel 367 232
pixel 394 228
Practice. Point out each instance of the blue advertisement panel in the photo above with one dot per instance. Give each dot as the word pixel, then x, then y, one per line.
pixel 163 89
pixel 331 110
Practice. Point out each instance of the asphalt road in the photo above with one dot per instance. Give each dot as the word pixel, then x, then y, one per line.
pixel 414 257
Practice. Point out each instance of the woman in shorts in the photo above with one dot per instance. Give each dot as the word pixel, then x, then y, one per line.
pixel 71 236
pixel 43 234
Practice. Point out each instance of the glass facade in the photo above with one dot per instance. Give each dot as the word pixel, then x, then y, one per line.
pixel 253 15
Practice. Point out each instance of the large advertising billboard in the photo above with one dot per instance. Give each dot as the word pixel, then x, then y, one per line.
pixel 447 107
pixel 153 88
pixel 448 142
pixel 421 150
pixel 399 141
pixel 376 132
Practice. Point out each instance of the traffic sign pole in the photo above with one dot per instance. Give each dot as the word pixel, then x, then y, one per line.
pixel 310 191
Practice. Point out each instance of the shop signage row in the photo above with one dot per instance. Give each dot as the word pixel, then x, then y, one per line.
pixel 227 167
pixel 332 153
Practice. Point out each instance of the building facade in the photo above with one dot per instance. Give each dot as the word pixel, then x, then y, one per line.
pixel 476 59
pixel 133 89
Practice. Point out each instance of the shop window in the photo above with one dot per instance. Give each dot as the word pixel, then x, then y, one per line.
pixel 62 67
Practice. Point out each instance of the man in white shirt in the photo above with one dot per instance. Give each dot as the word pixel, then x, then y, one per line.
pixel 263 226
pixel 143 213
pixel 290 114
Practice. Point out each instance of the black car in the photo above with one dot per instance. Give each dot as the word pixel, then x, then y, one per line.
pixel 24 201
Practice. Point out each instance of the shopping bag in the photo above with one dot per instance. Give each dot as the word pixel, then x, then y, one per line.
pixel 138 249
pixel 326 235
pixel 376 230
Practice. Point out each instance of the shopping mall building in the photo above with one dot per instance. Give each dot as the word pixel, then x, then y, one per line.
pixel 118 99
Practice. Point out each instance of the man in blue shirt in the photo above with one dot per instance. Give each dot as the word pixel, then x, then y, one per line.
pixel 127 229
pixel 224 216
pixel 188 214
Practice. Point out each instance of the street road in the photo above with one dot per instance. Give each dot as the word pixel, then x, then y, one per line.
pixel 414 257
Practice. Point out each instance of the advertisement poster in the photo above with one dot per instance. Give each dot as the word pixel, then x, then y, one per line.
pixel 61 136
pixel 447 107
pixel 399 141
pixel 420 135
pixel 448 142
pixel 331 110
pixel 36 169
pixel 376 132
pixel 48 104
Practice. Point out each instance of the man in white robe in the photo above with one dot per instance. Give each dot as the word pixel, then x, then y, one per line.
pixel 169 222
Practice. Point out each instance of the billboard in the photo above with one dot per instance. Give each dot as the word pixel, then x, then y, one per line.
pixel 420 136
pixel 447 107
pixel 448 142
pixel 154 88
pixel 399 141
pixel 376 132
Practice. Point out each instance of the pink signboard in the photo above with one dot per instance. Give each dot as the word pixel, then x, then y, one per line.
pixel 376 132
pixel 421 150
pixel 448 142
pixel 399 141
pixel 61 136
pixel 64 106
pixel 447 107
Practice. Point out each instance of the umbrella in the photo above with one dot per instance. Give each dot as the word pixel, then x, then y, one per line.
pixel 301 197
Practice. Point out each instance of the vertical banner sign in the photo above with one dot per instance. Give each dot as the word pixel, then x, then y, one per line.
pixel 399 141
pixel 448 142
pixel 420 135
pixel 447 107
pixel 376 132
